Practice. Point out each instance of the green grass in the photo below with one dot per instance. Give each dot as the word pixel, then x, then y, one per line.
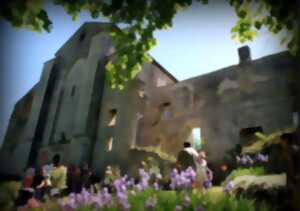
pixel 211 201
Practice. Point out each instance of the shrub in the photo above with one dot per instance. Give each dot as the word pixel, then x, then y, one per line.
pixel 255 171
pixel 8 194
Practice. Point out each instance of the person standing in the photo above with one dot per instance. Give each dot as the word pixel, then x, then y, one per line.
pixel 201 169
pixel 189 149
pixel 86 176
pixel 58 177
pixel 289 152
pixel 187 156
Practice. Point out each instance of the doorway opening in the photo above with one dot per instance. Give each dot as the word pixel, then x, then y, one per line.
pixel 196 138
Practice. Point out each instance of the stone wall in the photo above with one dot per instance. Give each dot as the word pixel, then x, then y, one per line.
pixel 114 141
pixel 14 152
pixel 74 107
pixel 75 113
pixel 251 94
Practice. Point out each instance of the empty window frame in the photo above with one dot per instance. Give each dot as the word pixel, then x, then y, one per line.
pixel 112 118
pixel 161 82
pixel 196 135
pixel 109 144
pixel 166 111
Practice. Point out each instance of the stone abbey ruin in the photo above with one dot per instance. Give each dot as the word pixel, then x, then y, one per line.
pixel 72 111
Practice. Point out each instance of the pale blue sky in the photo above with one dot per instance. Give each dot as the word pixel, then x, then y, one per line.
pixel 198 42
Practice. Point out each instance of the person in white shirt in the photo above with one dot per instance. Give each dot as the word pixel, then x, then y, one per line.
pixel 201 168
pixel 189 149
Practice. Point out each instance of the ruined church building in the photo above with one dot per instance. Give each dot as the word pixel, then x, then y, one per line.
pixel 72 111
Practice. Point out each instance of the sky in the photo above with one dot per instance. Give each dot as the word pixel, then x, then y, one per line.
pixel 198 42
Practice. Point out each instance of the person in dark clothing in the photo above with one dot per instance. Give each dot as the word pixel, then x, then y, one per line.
pixel 37 180
pixel 85 176
pixel 289 153
pixel 23 197
pixel 186 157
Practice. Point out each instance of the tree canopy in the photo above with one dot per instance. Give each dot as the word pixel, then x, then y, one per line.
pixel 143 17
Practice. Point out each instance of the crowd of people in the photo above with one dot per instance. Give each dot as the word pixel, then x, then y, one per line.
pixel 52 180
pixel 56 180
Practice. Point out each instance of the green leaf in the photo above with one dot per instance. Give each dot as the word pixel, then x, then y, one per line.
pixel 258 25
pixel 242 14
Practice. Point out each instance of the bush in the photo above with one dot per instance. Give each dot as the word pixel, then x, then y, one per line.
pixel 8 194
pixel 255 171
pixel 276 198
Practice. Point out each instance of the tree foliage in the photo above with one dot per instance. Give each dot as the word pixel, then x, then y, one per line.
pixel 143 17
pixel 276 15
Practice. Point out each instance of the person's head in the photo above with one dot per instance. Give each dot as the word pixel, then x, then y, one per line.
pixel 30 172
pixel 202 154
pixel 187 144
pixel 56 160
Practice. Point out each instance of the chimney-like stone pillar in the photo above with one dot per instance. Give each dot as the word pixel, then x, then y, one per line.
pixel 244 54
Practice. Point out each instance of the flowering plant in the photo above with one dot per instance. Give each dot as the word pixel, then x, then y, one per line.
pixel 184 179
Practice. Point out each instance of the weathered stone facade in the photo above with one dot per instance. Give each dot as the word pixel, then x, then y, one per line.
pixel 72 111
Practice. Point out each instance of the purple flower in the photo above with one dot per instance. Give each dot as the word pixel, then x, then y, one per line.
pixel 130 183
pixel 106 197
pixel 190 174
pixel 243 160
pixel 249 159
pixel 123 200
pixel 174 172
pixel 97 200
pixel 262 158
pixel 70 202
pixel 209 174
pixel 184 179
pixel 207 184
pixel 144 179
pixel 228 187
pixel 120 184
pixel 85 196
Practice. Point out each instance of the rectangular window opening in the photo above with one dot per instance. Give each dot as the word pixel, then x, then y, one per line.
pixel 166 113
pixel 161 82
pixel 295 119
pixel 109 144
pixel 196 136
pixel 112 118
